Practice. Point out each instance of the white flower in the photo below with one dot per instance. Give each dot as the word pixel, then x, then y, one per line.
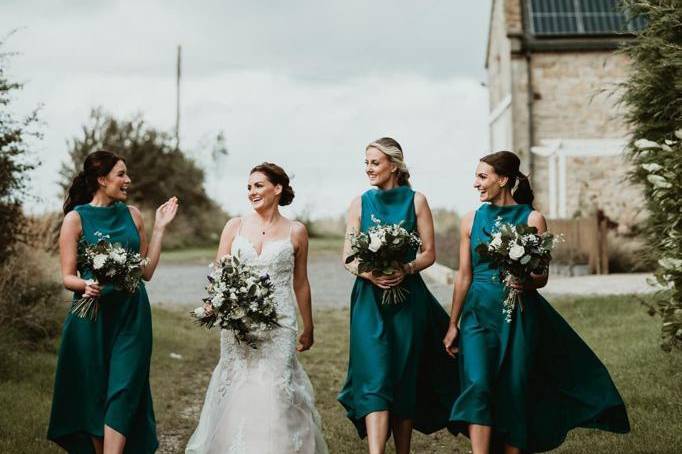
pixel 237 313
pixel 98 261
pixel 497 241
pixel 678 134
pixel 217 300
pixel 516 251
pixel 644 144
pixel 199 312
pixel 375 242
pixel 119 255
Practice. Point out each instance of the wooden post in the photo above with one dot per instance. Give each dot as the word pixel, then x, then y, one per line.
pixel 177 99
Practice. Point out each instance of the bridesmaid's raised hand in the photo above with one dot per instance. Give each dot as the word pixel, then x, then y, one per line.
pixel 166 213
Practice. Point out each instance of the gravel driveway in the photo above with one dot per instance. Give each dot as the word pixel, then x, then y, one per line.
pixel 183 284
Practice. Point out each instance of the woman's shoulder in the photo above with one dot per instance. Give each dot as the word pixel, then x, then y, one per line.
pixel 233 223
pixel 537 219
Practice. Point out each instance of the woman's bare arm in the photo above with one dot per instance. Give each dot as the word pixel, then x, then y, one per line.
pixel 299 236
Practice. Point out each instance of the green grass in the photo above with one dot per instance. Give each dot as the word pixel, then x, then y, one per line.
pixel 617 328
pixel 207 254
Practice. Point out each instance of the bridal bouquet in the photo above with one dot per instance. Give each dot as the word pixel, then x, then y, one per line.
pixel 382 250
pixel 241 300
pixel 517 251
pixel 109 264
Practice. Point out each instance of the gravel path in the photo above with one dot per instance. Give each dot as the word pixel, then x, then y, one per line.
pixel 183 284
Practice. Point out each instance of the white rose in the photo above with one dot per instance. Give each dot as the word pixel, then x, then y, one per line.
pixel 199 312
pixel 375 242
pixel 516 252
pixel 237 313
pixel 119 256
pixel 99 261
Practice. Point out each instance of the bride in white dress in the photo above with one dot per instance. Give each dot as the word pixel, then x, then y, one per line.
pixel 261 401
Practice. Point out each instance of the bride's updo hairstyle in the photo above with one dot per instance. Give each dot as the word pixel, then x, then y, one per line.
pixel 277 176
pixel 507 164
pixel 97 164
pixel 392 149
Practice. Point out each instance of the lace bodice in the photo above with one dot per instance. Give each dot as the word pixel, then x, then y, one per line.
pixel 276 259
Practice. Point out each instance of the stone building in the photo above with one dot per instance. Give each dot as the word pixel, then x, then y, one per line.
pixel 553 69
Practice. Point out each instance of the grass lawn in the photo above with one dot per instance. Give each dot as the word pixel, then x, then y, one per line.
pixel 617 328
pixel 206 255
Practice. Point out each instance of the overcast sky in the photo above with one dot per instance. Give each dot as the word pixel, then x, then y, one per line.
pixel 305 84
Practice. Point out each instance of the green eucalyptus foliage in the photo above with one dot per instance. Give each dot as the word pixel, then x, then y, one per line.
pixel 653 96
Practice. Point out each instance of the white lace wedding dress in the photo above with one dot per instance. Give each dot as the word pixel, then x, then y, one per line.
pixel 261 401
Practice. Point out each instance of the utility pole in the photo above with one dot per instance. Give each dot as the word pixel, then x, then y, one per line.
pixel 177 99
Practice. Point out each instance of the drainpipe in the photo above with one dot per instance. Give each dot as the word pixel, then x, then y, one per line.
pixel 531 96
pixel 529 76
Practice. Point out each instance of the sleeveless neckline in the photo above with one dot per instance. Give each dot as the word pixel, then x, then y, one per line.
pixel 107 207
pixel 264 245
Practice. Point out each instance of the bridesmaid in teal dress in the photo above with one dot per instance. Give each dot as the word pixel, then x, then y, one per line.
pixel 399 376
pixel 523 385
pixel 102 400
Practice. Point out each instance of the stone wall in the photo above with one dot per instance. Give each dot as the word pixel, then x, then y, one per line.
pixel 574 95
pixel 498 59
pixel 576 98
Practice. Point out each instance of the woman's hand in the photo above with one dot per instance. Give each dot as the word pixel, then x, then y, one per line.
pixel 92 289
pixel 535 282
pixel 450 340
pixel 386 281
pixel 305 340
pixel 166 213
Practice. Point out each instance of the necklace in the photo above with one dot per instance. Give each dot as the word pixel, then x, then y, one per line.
pixel 265 228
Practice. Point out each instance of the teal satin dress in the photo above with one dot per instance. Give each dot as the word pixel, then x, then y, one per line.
pixel 533 379
pixel 102 375
pixel 397 361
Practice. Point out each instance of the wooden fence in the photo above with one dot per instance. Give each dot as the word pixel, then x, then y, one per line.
pixel 584 241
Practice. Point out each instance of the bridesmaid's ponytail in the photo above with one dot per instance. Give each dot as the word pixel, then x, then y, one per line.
pixel 507 164
pixel 523 193
pixel 85 184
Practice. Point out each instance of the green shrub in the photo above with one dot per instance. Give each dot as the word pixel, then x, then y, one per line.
pixel 29 295
pixel 653 95
pixel 157 169
pixel 15 134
